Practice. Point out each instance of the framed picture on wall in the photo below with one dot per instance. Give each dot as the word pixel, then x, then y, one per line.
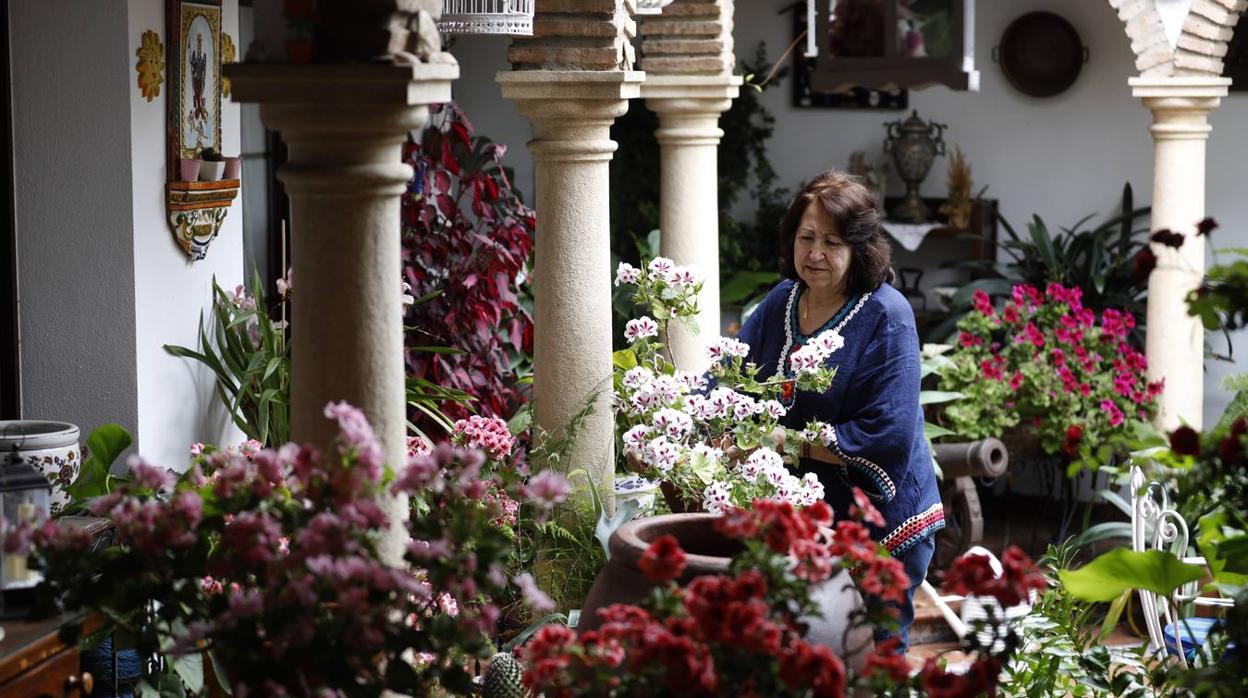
pixel 194 78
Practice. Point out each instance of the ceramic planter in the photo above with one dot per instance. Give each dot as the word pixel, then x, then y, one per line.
pixel 50 447
pixel 188 169
pixel 211 171
pixel 233 168
pixel 709 552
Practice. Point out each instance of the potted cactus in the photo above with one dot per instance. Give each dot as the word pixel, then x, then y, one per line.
pixel 213 165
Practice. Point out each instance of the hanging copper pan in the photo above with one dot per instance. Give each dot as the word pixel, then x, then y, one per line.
pixel 1041 54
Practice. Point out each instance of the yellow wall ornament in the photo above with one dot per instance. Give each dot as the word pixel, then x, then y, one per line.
pixel 227 56
pixel 151 65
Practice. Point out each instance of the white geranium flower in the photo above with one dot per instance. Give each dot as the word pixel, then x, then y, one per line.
pixel 640 328
pixel 626 274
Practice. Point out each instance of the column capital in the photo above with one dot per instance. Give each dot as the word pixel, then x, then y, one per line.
pixel 689 106
pixel 1180 105
pixel 712 88
pixel 571 110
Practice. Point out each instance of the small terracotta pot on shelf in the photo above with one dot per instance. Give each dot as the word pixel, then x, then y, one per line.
pixel 188 169
pixel 233 167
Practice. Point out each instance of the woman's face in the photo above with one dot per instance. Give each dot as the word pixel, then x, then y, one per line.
pixel 820 255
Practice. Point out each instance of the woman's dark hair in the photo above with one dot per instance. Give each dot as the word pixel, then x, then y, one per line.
pixel 857 216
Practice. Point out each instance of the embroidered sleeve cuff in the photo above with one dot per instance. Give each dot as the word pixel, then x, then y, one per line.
pixel 879 486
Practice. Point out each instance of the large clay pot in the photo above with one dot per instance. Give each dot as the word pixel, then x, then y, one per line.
pixel 50 447
pixel 708 552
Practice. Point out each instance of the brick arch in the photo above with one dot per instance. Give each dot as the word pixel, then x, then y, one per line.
pixel 1202 42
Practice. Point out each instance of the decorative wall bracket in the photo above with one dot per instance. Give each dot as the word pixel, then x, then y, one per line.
pixel 196 212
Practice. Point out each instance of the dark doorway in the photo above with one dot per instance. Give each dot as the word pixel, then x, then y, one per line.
pixel 10 364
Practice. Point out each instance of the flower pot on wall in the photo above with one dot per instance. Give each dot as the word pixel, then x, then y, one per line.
pixel 50 447
pixel 188 169
pixel 233 168
pixel 211 170
pixel 709 552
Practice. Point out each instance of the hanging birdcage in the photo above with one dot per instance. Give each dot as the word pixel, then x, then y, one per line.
pixel 487 17
pixel 651 7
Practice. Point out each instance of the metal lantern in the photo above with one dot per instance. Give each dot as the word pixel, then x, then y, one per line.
pixel 25 497
pixel 487 17
pixel 651 7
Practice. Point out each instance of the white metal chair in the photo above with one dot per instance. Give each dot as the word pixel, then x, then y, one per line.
pixel 1156 525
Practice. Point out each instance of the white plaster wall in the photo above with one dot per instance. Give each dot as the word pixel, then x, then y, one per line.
pixel 177 404
pixel 71 73
pixel 1062 157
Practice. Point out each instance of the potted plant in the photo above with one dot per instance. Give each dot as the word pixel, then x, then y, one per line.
pixel 1049 366
pixel 188 169
pixel 678 429
pixel 233 167
pixel 213 165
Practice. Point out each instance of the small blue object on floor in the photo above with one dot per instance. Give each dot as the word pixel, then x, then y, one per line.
pixel 99 661
pixel 1194 631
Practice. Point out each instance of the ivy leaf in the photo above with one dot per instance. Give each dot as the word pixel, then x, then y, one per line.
pixel 1121 570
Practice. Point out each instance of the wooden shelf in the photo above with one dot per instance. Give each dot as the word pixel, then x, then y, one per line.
pixel 196 211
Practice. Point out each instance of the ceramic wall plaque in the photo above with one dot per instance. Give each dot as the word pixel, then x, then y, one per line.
pixel 194 62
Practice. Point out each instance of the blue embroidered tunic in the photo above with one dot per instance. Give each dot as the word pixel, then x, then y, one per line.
pixel 873 406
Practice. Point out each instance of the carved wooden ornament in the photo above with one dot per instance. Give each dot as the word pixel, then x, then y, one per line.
pixel 151 65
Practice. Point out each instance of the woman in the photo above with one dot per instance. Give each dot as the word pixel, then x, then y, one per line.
pixel 835 258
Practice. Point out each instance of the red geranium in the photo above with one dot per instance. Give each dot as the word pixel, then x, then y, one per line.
pixel 885 660
pixel 1185 441
pixel 663 560
pixel 972 575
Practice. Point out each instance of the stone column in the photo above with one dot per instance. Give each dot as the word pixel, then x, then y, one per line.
pixel 1175 340
pixel 345 126
pixel 689 107
pixel 572 112
pixel 687 53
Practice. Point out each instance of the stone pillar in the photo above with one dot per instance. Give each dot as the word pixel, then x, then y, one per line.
pixel 689 107
pixel 572 112
pixel 687 53
pixel 1175 341
pixel 345 126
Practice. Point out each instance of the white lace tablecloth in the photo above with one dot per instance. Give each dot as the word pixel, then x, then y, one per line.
pixel 910 235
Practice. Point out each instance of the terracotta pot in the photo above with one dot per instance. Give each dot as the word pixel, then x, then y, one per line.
pixel 708 552
pixel 677 503
pixel 233 168
pixel 188 169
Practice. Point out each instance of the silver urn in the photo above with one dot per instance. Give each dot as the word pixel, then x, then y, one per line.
pixel 914 145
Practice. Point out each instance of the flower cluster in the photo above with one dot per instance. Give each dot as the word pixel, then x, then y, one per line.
pixel 258 555
pixel 1046 362
pixel 733 632
pixel 743 633
pixel 688 429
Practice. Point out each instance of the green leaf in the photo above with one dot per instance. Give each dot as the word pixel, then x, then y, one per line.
pixel 1235 552
pixel 1115 612
pixel 190 668
pixel 105 444
pixel 933 397
pixel 1214 532
pixel 1120 570
pixel 624 359
pixel 933 431
pixel 521 420
pixel 533 628
pixel 1103 531
pixel 744 283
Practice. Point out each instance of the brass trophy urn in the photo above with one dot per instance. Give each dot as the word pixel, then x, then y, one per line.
pixel 914 145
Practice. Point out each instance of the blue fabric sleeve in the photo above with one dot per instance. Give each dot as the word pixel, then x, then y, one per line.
pixel 877 443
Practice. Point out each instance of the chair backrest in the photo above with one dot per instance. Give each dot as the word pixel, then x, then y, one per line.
pixel 1156 525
